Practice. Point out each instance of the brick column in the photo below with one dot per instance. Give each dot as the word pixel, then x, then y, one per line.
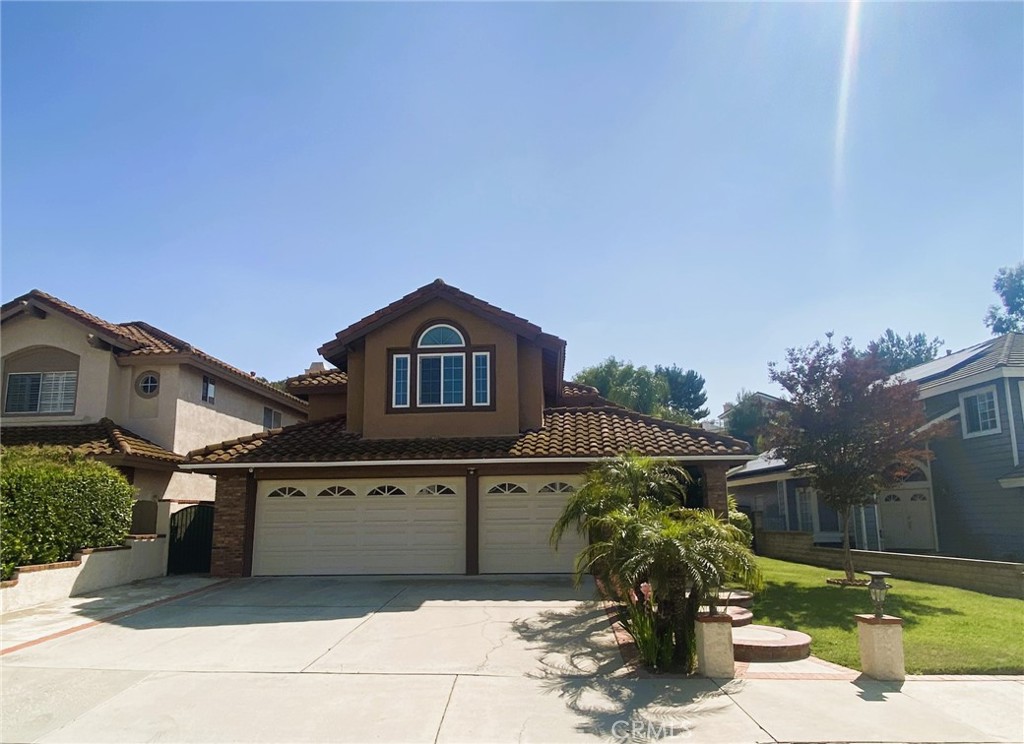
pixel 229 526
pixel 715 488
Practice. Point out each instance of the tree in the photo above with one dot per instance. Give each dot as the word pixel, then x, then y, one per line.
pixel 846 425
pixel 667 392
pixel 749 418
pixel 1009 285
pixel 641 537
pixel 637 388
pixel 896 353
pixel 685 391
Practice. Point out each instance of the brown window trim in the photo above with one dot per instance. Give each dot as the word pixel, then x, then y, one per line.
pixel 413 354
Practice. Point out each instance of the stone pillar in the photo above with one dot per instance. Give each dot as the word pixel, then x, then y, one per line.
pixel 715 488
pixel 229 526
pixel 714 646
pixel 881 647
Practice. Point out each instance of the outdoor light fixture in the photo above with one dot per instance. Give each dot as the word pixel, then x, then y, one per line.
pixel 878 589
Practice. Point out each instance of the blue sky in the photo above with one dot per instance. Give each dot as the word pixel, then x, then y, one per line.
pixel 654 181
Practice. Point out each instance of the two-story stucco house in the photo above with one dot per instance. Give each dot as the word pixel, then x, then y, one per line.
pixel 444 442
pixel 126 393
pixel 967 501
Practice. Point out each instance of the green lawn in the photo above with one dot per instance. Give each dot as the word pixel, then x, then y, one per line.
pixel 946 630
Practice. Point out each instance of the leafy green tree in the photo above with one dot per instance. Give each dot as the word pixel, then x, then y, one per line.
pixel 685 391
pixel 1009 285
pixel 749 419
pixel 667 392
pixel 637 388
pixel 896 353
pixel 846 426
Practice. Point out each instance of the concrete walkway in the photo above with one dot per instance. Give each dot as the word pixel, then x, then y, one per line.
pixel 427 660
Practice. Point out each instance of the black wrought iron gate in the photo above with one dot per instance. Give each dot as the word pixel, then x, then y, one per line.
pixel 191 540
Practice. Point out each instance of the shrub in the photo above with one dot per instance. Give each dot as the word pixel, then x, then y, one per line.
pixel 54 503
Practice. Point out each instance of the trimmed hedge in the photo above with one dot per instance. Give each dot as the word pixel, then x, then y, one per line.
pixel 53 503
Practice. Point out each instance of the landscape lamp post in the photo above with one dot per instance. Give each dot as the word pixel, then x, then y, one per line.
pixel 878 589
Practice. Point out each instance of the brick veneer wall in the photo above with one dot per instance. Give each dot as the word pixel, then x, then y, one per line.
pixel 716 487
pixel 228 557
pixel 991 577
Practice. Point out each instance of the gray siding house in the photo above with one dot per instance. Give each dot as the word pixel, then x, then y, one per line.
pixel 977 477
pixel 967 501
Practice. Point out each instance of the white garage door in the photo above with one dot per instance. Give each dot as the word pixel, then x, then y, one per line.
pixel 516 517
pixel 383 526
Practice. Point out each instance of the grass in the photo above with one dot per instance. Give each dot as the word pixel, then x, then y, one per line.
pixel 945 630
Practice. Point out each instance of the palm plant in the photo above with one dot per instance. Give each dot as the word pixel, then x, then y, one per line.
pixel 639 533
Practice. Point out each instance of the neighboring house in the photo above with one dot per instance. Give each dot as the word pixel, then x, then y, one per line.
pixel 445 442
pixel 128 394
pixel 967 501
pixel 722 423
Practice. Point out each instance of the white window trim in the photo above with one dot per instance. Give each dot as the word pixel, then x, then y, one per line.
pixel 963 412
pixel 487 401
pixel 462 339
pixel 37 411
pixel 394 381
pixel 419 385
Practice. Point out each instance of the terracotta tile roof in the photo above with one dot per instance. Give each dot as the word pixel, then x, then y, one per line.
pixel 137 339
pixel 103 327
pixel 104 438
pixel 436 289
pixel 577 394
pixel 318 380
pixel 568 431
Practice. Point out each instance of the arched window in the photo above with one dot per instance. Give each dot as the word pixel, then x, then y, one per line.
pixel 336 491
pixel 286 492
pixel 918 497
pixel 557 487
pixel 890 498
pixel 437 489
pixel 506 488
pixel 386 490
pixel 441 335
pixel 441 369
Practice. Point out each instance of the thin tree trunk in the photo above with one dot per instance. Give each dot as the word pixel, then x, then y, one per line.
pixel 844 517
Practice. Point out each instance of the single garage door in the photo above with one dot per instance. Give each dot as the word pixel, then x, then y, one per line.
pixel 516 517
pixel 383 526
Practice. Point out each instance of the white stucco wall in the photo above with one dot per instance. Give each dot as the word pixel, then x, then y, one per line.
pixel 145 560
pixel 97 371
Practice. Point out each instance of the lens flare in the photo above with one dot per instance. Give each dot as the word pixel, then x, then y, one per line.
pixel 845 87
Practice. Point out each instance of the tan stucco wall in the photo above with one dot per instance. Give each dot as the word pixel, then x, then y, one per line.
pixel 326 405
pixel 531 386
pixel 95 367
pixel 379 424
pixel 234 413
pixel 356 390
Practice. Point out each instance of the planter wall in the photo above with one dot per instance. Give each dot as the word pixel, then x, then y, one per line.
pixel 990 577
pixel 92 569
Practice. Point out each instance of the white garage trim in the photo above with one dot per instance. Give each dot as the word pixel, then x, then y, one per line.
pixel 492 461
pixel 360 526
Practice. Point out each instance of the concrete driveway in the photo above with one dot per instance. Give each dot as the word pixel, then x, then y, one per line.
pixel 417 660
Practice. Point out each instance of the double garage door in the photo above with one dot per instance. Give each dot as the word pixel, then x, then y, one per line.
pixel 406 526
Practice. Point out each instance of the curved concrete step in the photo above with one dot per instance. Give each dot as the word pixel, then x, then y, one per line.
pixel 740 615
pixel 765 643
pixel 735 598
